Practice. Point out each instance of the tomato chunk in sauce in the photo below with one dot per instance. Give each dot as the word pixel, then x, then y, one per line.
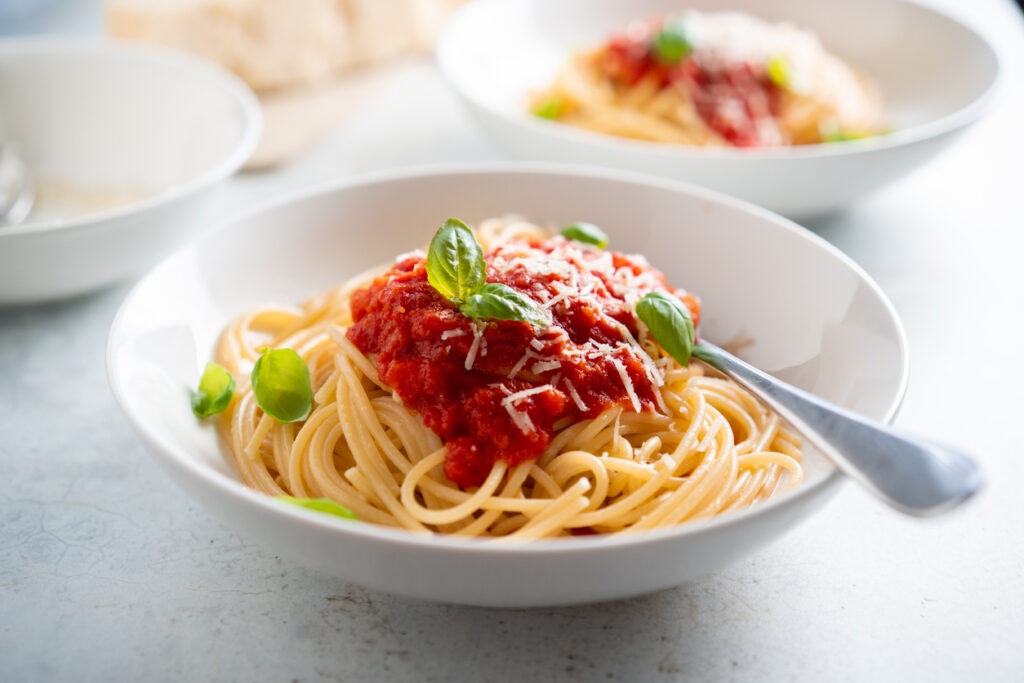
pixel 494 389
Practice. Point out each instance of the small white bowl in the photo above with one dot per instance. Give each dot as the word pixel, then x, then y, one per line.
pixel 147 129
pixel 936 75
pixel 815 318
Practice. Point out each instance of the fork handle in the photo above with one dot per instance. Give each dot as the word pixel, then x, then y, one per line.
pixel 913 475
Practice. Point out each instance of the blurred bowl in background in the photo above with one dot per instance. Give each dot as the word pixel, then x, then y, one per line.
pixel 936 75
pixel 125 144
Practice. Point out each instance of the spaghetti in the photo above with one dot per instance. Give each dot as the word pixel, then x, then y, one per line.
pixel 714 79
pixel 581 426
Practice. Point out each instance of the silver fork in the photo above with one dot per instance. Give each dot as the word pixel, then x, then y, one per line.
pixel 912 475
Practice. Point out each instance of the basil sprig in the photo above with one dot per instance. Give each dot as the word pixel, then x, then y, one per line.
pixel 325 505
pixel 588 233
pixel 215 390
pixel 455 261
pixel 498 301
pixel 670 323
pixel 456 269
pixel 281 385
pixel 671 44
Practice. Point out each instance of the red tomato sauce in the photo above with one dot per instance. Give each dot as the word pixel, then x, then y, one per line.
pixel 731 101
pixel 466 377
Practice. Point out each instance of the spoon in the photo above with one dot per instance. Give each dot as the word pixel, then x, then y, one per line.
pixel 16 192
pixel 912 475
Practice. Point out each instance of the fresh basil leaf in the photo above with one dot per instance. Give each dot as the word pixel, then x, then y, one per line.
pixel 325 505
pixel 671 45
pixel 670 323
pixel 778 71
pixel 549 108
pixel 703 354
pixel 588 233
pixel 455 261
pixel 500 302
pixel 215 390
pixel 844 135
pixel 280 382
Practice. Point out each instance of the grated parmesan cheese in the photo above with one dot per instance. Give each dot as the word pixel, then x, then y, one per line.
pixel 545 366
pixel 559 332
pixel 520 395
pixel 547 305
pixel 630 342
pixel 627 382
pixel 521 419
pixel 521 363
pixel 575 396
pixel 478 334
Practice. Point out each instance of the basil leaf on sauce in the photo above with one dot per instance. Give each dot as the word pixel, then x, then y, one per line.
pixel 455 261
pixel 549 108
pixel 281 385
pixel 588 233
pixel 671 45
pixel 215 390
pixel 324 505
pixel 669 322
pixel 456 269
pixel 500 302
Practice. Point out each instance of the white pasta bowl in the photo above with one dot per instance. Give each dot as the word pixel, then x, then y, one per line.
pixel 936 75
pixel 125 144
pixel 814 318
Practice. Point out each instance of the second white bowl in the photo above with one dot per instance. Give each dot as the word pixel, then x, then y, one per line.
pixel 936 74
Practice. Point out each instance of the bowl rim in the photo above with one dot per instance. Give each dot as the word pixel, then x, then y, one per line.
pixel 170 455
pixel 194 67
pixel 948 123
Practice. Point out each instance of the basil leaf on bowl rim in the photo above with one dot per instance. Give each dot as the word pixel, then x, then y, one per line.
pixel 325 505
pixel 281 385
pixel 500 302
pixel 670 324
pixel 455 261
pixel 588 233
pixel 216 388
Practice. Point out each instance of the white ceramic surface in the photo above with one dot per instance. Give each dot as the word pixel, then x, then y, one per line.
pixel 95 120
pixel 936 74
pixel 816 319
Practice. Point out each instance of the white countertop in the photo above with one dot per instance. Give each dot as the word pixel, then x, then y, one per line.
pixel 109 572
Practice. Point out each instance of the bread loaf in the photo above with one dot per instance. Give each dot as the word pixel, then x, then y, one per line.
pixel 272 44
